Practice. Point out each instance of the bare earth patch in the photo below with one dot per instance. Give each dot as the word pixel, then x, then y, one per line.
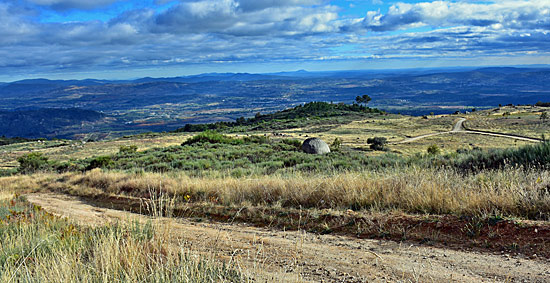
pixel 273 255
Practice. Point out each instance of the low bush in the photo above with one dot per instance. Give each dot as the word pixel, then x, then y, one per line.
pixel 100 162
pixel 377 143
pixel 529 156
pixel 33 162
pixel 127 149
pixel 433 149
pixel 212 137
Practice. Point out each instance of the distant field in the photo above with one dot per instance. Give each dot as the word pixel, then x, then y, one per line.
pixel 518 120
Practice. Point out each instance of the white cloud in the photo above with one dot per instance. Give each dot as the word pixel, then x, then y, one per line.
pixel 511 14
pixel 202 31
pixel 261 18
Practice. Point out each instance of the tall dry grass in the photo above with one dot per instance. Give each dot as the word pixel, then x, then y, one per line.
pixel 38 247
pixel 507 192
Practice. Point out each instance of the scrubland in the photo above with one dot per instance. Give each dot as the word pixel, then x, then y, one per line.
pixel 456 193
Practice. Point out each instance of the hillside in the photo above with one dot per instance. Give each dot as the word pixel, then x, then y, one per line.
pixel 46 123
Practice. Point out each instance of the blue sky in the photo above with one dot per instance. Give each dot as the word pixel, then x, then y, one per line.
pixel 119 39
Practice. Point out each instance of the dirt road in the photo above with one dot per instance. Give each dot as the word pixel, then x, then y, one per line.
pixel 296 256
pixel 459 128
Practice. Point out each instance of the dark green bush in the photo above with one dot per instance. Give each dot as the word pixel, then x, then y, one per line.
pixel 33 162
pixel 336 144
pixel 433 149
pixel 100 162
pixel 212 137
pixel 293 142
pixel 377 143
pixel 127 149
pixel 7 172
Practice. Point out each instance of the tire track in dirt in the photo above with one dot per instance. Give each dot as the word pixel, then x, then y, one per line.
pixel 297 256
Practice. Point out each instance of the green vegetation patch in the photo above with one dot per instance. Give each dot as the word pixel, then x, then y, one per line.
pixel 249 155
pixel 258 155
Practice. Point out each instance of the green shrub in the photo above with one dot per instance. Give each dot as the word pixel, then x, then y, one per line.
pixel 377 143
pixel 7 172
pixel 256 139
pixel 100 162
pixel 212 137
pixel 433 149
pixel 33 162
pixel 335 146
pixel 529 156
pixel 127 149
pixel 293 142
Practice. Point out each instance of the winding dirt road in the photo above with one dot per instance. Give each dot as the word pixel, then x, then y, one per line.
pixel 459 128
pixel 297 256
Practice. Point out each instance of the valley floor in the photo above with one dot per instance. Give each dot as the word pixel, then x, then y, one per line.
pixel 296 256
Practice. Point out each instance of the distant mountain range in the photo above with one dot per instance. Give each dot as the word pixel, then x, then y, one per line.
pixel 156 104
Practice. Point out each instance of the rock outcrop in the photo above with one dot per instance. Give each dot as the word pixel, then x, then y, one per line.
pixel 315 146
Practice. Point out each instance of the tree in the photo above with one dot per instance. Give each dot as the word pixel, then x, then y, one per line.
pixel 377 143
pixel 363 99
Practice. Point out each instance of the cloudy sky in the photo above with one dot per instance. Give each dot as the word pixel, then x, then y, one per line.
pixel 128 39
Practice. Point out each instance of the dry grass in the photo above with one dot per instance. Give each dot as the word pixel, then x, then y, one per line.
pixel 394 128
pixel 39 247
pixel 523 121
pixel 6 195
pixel 449 143
pixel 509 192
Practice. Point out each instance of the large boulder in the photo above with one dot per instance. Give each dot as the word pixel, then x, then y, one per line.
pixel 315 146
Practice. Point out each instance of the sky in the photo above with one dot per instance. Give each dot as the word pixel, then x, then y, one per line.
pixel 123 39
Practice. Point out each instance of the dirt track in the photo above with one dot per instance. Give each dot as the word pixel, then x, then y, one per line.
pixel 275 256
pixel 459 128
